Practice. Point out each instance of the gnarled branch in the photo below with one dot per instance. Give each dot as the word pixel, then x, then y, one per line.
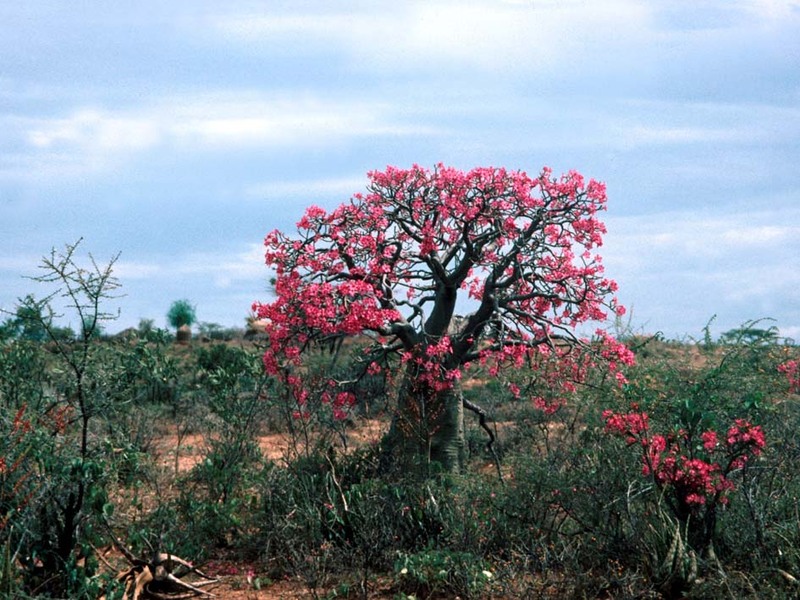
pixel 471 406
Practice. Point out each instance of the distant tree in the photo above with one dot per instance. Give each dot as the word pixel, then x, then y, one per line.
pixel 33 321
pixel 750 335
pixel 145 327
pixel 394 263
pixel 181 313
pixel 27 322
pixel 212 331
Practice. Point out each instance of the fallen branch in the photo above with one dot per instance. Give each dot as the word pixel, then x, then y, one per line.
pixel 159 577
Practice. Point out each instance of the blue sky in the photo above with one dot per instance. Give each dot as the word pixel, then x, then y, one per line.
pixel 179 133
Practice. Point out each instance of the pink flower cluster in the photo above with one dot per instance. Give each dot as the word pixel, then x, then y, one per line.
pixel 341 403
pixel 672 459
pixel 433 365
pixel 559 369
pixel 616 354
pixel 743 440
pixel 791 369
pixel 632 424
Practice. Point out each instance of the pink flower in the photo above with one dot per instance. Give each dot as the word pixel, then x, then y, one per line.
pixel 745 434
pixel 630 424
pixel 548 407
pixel 693 481
pixel 791 369
pixel 695 499
pixel 709 440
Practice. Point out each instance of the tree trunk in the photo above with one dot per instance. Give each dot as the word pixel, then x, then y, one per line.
pixel 428 428
pixel 184 334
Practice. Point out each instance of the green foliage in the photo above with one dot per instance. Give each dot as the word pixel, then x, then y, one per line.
pixel 750 334
pixel 223 367
pixel 61 482
pixel 216 332
pixel 9 586
pixel 181 312
pixel 442 573
pixel 235 388
pixel 217 493
pixel 24 376
pixel 28 322
pixel 34 321
pixel 686 390
pixel 148 332
pixel 324 514
pixel 577 514
pixel 151 374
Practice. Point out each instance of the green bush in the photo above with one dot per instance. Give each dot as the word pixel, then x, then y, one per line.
pixel 442 573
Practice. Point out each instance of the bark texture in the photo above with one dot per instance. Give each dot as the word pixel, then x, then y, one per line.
pixel 427 429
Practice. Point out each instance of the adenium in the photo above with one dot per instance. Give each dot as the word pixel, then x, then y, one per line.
pixel 695 474
pixel 390 263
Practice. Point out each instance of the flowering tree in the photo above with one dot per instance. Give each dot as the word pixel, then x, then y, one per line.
pixel 394 263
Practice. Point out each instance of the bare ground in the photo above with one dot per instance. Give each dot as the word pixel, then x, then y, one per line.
pixel 239 580
pixel 192 448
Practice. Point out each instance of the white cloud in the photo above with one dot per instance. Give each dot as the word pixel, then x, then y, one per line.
pixel 78 142
pixel 695 265
pixel 654 238
pixel 761 284
pixel 512 35
pixel 761 235
pixel 643 135
pixel 127 270
pixel 664 122
pixel 613 41
pixel 91 139
pixel 93 130
pixel 286 120
pixel 771 11
pixel 223 268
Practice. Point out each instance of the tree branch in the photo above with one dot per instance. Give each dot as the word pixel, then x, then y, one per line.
pixel 471 406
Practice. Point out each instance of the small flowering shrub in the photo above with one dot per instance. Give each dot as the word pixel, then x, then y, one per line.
pixel 18 477
pixel 791 369
pixel 694 473
pixel 19 484
pixel 704 473
pixel 318 406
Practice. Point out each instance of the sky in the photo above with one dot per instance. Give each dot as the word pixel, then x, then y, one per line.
pixel 178 134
